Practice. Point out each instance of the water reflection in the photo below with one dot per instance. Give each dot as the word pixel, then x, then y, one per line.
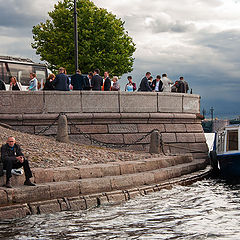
pixel 204 210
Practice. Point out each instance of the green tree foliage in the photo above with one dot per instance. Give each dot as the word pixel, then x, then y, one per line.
pixel 103 42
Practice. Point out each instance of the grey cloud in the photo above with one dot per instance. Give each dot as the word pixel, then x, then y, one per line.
pixel 226 43
pixel 182 27
pixel 166 24
pixel 18 13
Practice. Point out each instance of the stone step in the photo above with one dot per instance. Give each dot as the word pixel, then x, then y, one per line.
pixel 93 200
pixel 44 175
pixel 81 187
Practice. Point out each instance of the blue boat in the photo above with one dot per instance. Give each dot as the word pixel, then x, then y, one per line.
pixel 225 156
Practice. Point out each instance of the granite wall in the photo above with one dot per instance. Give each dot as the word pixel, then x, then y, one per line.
pixel 110 117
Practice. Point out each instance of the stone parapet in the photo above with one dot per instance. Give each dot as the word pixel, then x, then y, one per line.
pixel 43 102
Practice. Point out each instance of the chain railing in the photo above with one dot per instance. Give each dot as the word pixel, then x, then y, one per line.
pixel 49 126
pixel 119 145
pixel 111 145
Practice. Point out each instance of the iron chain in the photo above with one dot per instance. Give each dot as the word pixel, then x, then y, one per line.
pixel 116 145
pixel 49 126
pixel 111 145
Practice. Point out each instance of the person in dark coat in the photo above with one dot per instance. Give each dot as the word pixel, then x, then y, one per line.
pixel 144 85
pixel 14 85
pixel 61 82
pixel 107 82
pixel 78 81
pixel 48 84
pixel 12 157
pixel 97 81
pixel 2 85
pixel 87 81
pixel 157 84
pixel 182 85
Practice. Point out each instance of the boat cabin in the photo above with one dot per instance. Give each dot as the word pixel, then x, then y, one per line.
pixel 228 140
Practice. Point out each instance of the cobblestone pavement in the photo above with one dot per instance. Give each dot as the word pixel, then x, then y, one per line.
pixel 45 152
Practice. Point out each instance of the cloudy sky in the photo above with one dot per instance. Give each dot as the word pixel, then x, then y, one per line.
pixel 197 39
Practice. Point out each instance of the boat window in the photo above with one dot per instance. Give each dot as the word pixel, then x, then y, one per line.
pixel 220 142
pixel 232 140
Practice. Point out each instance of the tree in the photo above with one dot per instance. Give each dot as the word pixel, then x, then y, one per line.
pixel 103 41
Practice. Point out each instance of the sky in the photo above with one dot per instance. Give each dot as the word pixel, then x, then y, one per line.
pixel 197 39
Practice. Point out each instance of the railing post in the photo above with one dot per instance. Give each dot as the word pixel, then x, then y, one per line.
pixel 155 142
pixel 62 130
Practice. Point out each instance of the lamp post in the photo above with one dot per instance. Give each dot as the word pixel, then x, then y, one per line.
pixel 75 35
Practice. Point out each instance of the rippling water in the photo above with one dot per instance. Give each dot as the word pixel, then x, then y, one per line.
pixel 204 210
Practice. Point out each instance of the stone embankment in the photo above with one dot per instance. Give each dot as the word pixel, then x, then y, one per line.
pixel 63 174
pixel 82 187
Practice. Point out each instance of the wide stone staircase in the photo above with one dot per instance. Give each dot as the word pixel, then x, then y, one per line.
pixel 86 186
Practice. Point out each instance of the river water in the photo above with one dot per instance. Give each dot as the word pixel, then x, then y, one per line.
pixel 205 210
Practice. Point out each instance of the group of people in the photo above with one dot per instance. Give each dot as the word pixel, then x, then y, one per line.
pixel 162 84
pixel 93 81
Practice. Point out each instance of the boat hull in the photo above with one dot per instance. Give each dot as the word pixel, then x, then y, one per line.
pixel 229 165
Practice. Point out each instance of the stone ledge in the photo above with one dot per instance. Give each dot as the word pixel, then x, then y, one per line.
pixel 143 175
pixel 43 175
pixel 93 200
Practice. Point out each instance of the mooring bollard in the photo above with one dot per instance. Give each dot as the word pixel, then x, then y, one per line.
pixel 155 142
pixel 62 130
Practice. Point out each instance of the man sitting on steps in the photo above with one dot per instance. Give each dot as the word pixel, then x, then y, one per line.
pixel 12 157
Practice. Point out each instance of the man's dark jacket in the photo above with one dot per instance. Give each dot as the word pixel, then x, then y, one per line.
pixel 153 85
pixel 2 85
pixel 144 86
pixel 107 84
pixel 8 154
pixel 87 85
pixel 182 86
pixel 97 82
pixel 77 81
pixel 61 82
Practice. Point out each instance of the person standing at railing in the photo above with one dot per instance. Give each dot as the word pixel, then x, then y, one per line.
pixel 107 82
pixel 157 84
pixel 48 84
pixel 97 81
pixel 166 83
pixel 33 84
pixel 116 85
pixel 77 81
pixel 2 85
pixel 130 86
pixel 14 85
pixel 61 82
pixel 182 85
pixel 88 80
pixel 144 85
